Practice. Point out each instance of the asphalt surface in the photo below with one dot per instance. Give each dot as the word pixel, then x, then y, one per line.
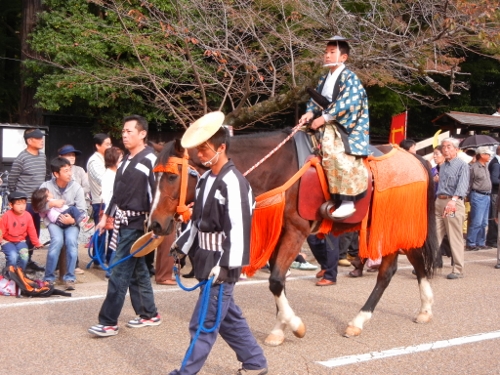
pixel 49 336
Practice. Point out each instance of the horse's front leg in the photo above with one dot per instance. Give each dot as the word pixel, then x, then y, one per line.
pixel 293 235
pixel 386 270
pixel 285 316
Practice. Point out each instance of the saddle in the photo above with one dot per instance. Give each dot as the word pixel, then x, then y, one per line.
pixel 311 193
pixel 312 197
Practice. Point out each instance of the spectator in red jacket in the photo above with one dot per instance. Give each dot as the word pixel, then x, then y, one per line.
pixel 15 225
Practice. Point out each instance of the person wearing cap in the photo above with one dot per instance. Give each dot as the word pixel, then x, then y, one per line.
pixel 479 198
pixel 343 114
pixel 218 239
pixel 15 226
pixel 78 173
pixel 133 193
pixel 28 172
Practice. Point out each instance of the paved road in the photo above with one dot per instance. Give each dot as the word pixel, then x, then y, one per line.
pixel 49 336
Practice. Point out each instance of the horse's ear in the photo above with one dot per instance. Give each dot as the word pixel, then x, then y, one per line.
pixel 178 148
pixel 156 146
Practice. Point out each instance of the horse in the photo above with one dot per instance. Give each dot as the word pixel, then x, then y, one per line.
pixel 246 151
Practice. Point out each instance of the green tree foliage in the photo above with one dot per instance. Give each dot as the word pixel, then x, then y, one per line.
pixel 175 60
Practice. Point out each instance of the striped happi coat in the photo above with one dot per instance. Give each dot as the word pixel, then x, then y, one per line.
pixel 219 230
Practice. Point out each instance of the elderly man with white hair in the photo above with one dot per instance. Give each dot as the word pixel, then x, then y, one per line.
pixel 450 207
pixel 479 198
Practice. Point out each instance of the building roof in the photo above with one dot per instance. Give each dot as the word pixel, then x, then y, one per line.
pixel 467 121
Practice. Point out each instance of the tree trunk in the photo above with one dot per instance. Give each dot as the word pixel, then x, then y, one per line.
pixel 28 113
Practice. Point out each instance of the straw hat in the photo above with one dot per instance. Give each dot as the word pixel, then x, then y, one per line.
pixel 202 129
pixel 141 241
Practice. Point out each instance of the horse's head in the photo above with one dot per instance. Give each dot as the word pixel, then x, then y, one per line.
pixel 175 188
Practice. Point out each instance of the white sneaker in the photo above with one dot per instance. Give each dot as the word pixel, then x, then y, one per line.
pixel 307 266
pixel 345 210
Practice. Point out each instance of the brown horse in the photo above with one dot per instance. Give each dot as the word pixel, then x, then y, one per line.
pixel 245 151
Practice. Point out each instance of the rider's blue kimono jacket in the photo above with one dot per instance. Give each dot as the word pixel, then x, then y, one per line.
pixel 349 110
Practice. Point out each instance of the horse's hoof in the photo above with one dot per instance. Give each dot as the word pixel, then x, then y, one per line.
pixel 300 331
pixel 423 318
pixel 352 331
pixel 274 340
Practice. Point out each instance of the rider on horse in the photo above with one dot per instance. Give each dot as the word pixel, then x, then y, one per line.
pixel 340 105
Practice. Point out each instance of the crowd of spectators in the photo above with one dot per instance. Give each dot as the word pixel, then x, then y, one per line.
pixel 66 204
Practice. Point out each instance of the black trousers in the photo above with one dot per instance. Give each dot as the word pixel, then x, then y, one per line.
pixel 36 221
pixel 349 243
pixel 326 252
pixel 491 236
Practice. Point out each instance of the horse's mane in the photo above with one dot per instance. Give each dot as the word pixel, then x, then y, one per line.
pixel 168 150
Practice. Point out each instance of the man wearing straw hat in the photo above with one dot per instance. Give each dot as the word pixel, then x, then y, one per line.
pixel 218 239
pixel 133 193
pixel 340 105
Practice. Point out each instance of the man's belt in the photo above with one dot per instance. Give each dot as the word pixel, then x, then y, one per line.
pixel 447 197
pixel 121 218
pixel 481 192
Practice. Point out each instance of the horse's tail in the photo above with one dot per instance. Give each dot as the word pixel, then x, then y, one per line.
pixel 430 250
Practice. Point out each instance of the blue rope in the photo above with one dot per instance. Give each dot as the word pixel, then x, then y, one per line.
pixel 94 243
pixel 205 300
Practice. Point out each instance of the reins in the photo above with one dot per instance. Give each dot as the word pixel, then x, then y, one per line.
pixel 94 243
pixel 294 130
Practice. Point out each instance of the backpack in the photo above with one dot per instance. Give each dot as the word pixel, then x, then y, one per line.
pixel 31 288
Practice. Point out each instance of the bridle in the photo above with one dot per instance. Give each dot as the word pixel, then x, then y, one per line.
pixel 183 211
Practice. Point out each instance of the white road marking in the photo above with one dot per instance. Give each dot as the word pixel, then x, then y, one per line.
pixel 349 360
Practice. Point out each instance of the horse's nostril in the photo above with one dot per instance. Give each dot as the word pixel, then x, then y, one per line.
pixel 155 227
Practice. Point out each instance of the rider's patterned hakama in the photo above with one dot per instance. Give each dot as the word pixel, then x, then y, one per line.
pixel 346 137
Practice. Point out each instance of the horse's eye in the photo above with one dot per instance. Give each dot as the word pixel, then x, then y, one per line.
pixel 171 177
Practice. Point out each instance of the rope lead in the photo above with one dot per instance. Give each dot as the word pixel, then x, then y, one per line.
pixel 205 300
pixel 94 243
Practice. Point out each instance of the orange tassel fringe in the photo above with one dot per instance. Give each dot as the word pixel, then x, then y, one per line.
pixel 398 217
pixel 267 223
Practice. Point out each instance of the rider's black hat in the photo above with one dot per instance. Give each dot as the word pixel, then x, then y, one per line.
pixel 337 38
